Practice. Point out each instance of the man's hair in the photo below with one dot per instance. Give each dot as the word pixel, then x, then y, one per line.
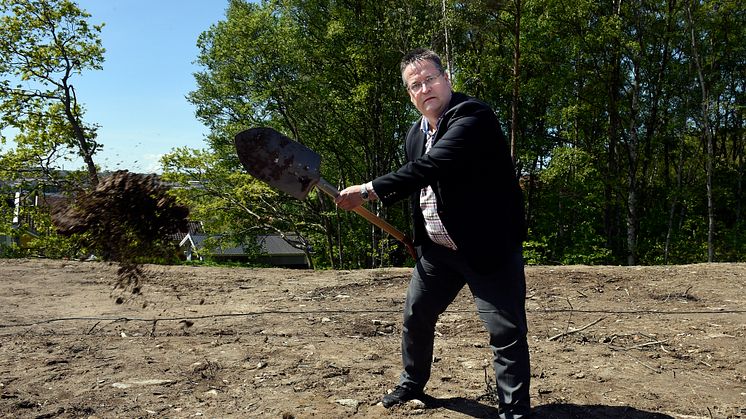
pixel 418 55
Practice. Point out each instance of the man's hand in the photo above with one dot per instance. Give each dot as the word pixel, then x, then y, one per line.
pixel 349 198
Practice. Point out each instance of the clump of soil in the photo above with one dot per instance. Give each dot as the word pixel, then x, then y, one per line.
pixel 127 218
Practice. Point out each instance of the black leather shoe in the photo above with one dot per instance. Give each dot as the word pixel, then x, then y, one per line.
pixel 402 395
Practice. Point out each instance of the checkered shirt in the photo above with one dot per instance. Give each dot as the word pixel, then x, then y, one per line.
pixel 433 224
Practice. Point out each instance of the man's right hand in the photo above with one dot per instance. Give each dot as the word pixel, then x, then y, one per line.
pixel 349 198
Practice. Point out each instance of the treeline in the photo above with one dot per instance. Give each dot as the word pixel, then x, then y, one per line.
pixel 626 119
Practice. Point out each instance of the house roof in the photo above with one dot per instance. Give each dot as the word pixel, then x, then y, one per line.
pixel 194 229
pixel 271 244
pixel 276 245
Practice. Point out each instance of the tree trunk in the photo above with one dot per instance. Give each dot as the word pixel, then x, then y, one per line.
pixel 612 217
pixel 675 202
pixel 85 147
pixel 633 155
pixel 514 126
pixel 632 192
pixel 707 133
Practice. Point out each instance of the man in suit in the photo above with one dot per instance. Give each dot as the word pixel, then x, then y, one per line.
pixel 469 227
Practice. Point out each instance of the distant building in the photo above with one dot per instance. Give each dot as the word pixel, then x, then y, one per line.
pixel 274 249
pixel 277 251
pixel 20 196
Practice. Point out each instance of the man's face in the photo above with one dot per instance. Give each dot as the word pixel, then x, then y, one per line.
pixel 429 89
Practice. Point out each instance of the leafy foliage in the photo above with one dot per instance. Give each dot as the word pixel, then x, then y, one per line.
pixel 45 45
pixel 627 119
pixel 231 204
pixel 327 75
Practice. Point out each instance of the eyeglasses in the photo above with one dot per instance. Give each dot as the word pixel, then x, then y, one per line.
pixel 417 86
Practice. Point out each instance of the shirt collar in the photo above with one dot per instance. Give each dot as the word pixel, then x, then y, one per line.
pixel 425 125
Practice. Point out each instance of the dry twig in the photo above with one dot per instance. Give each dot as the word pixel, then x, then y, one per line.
pixel 569 332
pixel 647 344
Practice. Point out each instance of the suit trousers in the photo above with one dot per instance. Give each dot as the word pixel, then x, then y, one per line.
pixel 437 279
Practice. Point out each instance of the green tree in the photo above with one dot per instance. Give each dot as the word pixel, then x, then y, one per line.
pixel 232 205
pixel 45 45
pixel 619 82
pixel 326 74
pixel 602 101
pixel 574 197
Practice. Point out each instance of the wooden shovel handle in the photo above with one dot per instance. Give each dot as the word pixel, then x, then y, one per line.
pixel 330 190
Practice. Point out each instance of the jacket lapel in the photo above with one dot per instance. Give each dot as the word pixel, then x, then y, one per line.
pixel 418 144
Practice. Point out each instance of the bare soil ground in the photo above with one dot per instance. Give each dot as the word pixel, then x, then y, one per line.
pixel 606 342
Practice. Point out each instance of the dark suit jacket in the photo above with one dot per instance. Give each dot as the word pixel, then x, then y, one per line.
pixel 472 175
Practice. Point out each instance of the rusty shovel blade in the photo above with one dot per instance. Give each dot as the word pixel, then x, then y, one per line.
pixel 282 163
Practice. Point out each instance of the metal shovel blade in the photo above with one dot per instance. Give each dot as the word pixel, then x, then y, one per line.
pixel 279 161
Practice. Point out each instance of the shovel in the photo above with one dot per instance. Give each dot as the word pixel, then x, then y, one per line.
pixel 294 169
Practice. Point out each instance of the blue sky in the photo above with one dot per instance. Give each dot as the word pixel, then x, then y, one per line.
pixel 138 98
